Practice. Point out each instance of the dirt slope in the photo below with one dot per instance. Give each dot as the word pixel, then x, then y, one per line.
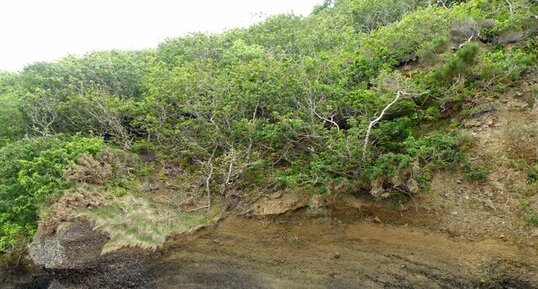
pixel 333 252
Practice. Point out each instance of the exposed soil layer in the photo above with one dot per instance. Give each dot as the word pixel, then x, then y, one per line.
pixel 329 251
pixel 310 249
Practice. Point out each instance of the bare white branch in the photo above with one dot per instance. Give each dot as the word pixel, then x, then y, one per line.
pixel 398 96
pixel 510 7
pixel 376 120
pixel 207 183
pixel 313 110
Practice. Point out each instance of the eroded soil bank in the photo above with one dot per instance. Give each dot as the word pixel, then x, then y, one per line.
pixel 311 249
pixel 328 251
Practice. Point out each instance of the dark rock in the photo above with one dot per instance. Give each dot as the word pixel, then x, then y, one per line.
pixel 486 110
pixel 38 282
pixel 126 269
pixel 464 30
pixel 76 246
pixel 147 187
pixel 518 36
pixel 450 107
pixel 233 201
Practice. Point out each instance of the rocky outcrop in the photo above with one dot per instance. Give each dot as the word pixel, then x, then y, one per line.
pixel 74 246
pixel 72 259
pixel 277 203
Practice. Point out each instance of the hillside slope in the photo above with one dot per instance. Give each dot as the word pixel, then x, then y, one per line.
pixel 394 141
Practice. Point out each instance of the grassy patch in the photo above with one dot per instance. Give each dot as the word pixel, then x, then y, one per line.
pixel 138 222
pixel 533 219
pixel 475 171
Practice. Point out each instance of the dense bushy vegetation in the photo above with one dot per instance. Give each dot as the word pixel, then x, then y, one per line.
pixel 31 175
pixel 285 103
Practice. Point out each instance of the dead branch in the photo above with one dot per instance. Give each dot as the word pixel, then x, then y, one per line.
pixel 376 120
pixel 229 174
pixel 442 3
pixel 209 176
pixel 207 183
pixel 510 7
pixel 109 120
pixel 313 110
pixel 196 209
pixel 399 95
pixel 43 113
pixel 468 40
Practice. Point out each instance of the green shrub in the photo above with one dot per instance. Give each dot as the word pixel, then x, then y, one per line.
pixel 30 176
pixel 459 66
pixel 500 66
pixel 11 121
pixel 409 170
pixel 475 171
pixel 429 52
pixel 439 150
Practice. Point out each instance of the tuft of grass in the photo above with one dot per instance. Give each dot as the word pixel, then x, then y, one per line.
pixel 532 173
pixel 137 222
pixel 533 219
pixel 464 139
pixel 522 142
pixel 475 171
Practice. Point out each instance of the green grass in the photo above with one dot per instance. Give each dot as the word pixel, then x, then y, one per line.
pixel 474 171
pixel 137 222
pixel 533 219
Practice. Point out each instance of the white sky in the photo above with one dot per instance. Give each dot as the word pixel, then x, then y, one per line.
pixel 46 30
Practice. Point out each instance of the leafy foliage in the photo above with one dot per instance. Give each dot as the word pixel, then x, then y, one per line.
pixel 11 121
pixel 460 64
pixel 533 219
pixel 30 175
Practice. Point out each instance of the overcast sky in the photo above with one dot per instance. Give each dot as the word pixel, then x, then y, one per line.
pixel 45 30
